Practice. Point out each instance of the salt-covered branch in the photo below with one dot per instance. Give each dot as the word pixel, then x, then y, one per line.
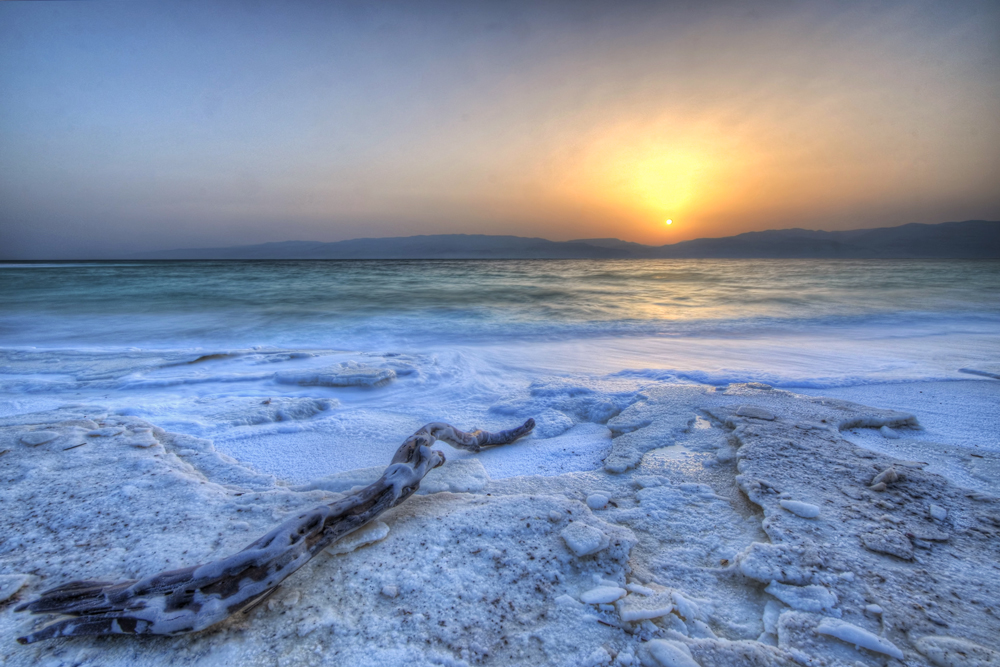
pixel 197 597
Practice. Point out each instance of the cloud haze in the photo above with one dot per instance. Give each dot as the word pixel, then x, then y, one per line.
pixel 127 127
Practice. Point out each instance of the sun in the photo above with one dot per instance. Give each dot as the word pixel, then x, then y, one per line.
pixel 670 222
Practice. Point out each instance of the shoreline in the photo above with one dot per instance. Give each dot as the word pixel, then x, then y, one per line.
pixel 704 554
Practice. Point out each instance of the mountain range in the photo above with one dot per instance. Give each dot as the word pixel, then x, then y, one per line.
pixel 970 239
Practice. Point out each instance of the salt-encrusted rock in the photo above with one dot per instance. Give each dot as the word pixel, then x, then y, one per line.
pixel 945 651
pixel 635 608
pixel 888 433
pixel 930 534
pixel 799 508
pixel 669 653
pixel 852 634
pixel 597 501
pixel 786 563
pixel 937 512
pixel 622 458
pixel 142 438
pixel 35 438
pixel 106 432
pixel 887 476
pixel 602 595
pixel 373 532
pixel 347 374
pixel 888 541
pixel 754 413
pixel 817 599
pixel 10 584
pixel 584 540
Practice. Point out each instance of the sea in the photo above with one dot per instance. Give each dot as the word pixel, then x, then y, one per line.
pixel 306 368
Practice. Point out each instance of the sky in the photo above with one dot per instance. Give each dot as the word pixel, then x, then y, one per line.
pixel 135 126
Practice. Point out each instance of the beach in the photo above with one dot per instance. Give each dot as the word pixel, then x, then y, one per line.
pixel 701 485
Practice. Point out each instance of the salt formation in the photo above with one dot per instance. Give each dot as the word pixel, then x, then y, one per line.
pixel 697 561
pixel 345 374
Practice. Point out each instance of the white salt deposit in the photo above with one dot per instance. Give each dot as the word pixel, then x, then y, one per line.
pixel 813 598
pixel 374 532
pixel 597 501
pixel 643 607
pixel 347 374
pixel 602 595
pixel 852 634
pixel 799 508
pixel 484 564
pixel 584 540
pixel 670 653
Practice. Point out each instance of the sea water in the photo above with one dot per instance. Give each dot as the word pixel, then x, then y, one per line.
pixel 303 368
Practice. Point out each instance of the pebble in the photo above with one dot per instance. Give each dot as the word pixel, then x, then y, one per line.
pixel 603 595
pixel 937 512
pixel 597 501
pixel 584 540
pixel 799 508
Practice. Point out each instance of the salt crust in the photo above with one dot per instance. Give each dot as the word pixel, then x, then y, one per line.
pixel 487 575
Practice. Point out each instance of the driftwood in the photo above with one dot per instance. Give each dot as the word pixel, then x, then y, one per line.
pixel 194 598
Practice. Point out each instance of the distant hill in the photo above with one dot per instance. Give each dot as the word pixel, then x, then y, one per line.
pixel 971 239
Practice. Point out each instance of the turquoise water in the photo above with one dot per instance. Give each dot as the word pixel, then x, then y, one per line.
pixel 364 303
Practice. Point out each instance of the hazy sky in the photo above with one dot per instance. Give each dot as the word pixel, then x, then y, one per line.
pixel 132 126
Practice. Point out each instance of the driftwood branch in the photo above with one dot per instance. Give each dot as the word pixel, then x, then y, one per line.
pixel 194 598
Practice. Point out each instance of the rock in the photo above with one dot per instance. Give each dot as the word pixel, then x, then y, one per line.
pixel 888 433
pixel 852 634
pixel 799 508
pixel 621 459
pixel 813 598
pixel 944 651
pixel 754 413
pixel 603 595
pixel 597 501
pixel 930 534
pixel 390 591
pixel 349 374
pixel 937 512
pixel 105 432
pixel 887 476
pixel 890 542
pixel 584 540
pixel 644 607
pixel 668 653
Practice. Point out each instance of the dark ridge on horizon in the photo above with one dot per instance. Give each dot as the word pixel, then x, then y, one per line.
pixel 970 239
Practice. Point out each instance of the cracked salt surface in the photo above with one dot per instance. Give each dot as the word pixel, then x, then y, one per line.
pixel 695 558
